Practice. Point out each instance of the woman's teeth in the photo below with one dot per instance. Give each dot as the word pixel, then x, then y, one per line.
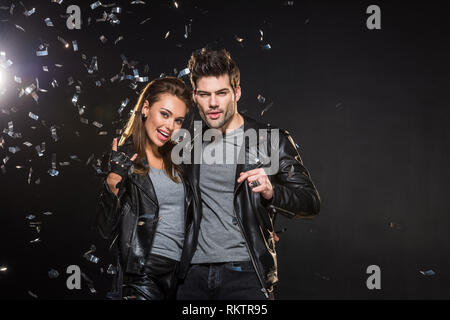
pixel 164 134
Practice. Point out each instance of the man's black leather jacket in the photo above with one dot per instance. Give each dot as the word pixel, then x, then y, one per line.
pixel 294 195
pixel 129 220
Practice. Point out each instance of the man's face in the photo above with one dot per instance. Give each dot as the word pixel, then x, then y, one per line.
pixel 217 103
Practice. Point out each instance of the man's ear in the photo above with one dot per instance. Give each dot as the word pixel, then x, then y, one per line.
pixel 237 93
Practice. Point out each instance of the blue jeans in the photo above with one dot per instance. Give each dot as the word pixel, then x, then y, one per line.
pixel 221 281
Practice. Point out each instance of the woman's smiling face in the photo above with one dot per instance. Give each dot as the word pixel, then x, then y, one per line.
pixel 163 118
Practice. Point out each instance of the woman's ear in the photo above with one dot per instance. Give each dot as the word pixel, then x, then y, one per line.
pixel 145 108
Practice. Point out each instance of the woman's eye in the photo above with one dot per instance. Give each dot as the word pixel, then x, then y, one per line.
pixel 180 122
pixel 164 114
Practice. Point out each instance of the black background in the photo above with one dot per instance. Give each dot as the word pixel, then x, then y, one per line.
pixel 369 109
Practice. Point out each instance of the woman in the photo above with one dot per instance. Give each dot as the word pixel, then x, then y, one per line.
pixel 145 206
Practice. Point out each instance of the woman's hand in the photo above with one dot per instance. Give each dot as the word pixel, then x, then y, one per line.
pixel 120 164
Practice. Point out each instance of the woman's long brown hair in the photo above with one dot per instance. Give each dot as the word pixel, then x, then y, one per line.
pixel 136 129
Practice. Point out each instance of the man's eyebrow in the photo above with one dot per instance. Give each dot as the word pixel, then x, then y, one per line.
pixel 220 90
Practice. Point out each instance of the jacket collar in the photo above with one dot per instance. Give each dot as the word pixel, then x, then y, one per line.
pixel 142 181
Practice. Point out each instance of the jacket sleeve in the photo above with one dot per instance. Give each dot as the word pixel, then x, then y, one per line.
pixel 294 193
pixel 108 209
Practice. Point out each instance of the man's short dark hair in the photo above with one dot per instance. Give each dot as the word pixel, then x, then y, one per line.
pixel 207 63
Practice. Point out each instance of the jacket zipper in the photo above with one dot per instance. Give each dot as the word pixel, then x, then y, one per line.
pixel 283 210
pixel 263 289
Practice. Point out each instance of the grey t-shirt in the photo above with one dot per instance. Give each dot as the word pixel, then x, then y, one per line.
pixel 169 236
pixel 220 238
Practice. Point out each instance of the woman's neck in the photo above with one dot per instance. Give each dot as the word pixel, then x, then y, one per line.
pixel 154 157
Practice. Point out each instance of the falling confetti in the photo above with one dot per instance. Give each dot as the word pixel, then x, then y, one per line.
pixel 428 273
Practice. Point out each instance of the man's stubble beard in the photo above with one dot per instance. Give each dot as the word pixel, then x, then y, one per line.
pixel 227 115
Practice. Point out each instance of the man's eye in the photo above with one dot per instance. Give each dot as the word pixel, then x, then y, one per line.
pixel 202 95
pixel 222 93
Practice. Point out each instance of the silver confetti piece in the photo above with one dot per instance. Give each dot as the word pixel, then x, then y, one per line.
pixel 97 124
pixel 428 273
pixel 58 65
pixel 261 99
pixel 18 79
pixel 30 217
pixel 84 120
pixel 184 72
pixel 45 68
pixel 29 175
pixel 3 168
pixel 54 135
pixel 103 39
pixel 20 28
pixel 91 258
pixel 53 172
pixel 32 294
pixel 4 268
pixel 29 12
pixel 28 144
pixel 175 4
pixel 118 39
pixel 167 35
pixel 42 53
pixel 64 164
pixel 90 159
pixel 48 213
pixel 30 89
pixel 35 240
pixel 266 47
pixel 137 2
pixel 54 83
pixel 142 79
pixel 95 5
pixel 144 21
pixel 103 133
pixel 267 108
pixel 38 149
pixel 81 109
pixel 123 105
pixel 58 1
pixel 33 116
pixel 111 269
pixel 117 10
pixel 238 39
pixel 75 45
pixel 75 157
pixel 13 149
pixel 48 22
pixel 74 99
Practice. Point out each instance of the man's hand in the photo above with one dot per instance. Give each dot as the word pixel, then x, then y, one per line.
pixel 258 181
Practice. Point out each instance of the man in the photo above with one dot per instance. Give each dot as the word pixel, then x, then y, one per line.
pixel 234 245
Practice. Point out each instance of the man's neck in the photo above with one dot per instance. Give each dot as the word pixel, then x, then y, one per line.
pixel 235 122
